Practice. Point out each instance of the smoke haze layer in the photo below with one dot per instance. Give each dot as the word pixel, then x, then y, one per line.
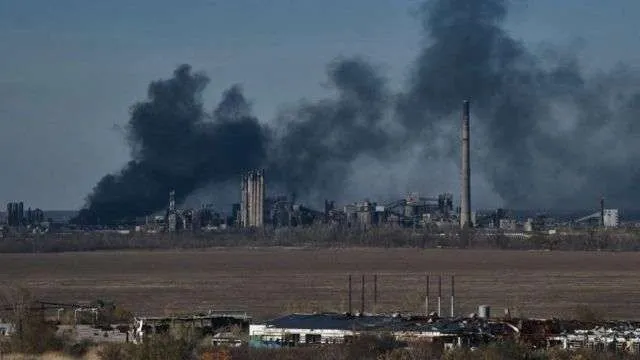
pixel 551 135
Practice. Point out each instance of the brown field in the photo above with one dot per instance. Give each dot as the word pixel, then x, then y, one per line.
pixel 270 281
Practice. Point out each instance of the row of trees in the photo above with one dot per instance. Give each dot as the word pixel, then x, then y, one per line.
pixel 323 236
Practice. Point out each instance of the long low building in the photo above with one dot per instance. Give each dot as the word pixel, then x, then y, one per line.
pixel 334 328
pixel 205 324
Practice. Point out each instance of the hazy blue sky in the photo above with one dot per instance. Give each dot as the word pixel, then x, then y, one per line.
pixel 70 69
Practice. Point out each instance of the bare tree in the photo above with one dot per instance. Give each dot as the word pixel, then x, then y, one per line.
pixel 31 333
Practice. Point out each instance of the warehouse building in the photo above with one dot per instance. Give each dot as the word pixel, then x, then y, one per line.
pixel 334 328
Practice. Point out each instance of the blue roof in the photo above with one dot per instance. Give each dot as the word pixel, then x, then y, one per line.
pixel 335 321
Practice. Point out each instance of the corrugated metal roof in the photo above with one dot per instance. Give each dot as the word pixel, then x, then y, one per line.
pixel 335 321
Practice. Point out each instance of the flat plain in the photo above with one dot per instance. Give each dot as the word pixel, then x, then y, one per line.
pixel 266 282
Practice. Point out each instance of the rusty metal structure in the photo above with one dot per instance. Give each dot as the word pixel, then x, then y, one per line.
pixel 253 196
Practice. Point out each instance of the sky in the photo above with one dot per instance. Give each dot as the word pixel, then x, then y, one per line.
pixel 70 69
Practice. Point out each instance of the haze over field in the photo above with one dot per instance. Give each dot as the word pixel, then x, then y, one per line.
pixel 553 125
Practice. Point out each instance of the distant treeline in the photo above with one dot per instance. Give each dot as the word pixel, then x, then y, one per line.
pixel 322 237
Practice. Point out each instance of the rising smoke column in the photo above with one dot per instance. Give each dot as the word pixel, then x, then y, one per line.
pixel 551 130
pixel 468 55
pixel 177 145
pixel 315 143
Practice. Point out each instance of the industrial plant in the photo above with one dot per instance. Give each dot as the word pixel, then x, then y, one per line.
pixel 257 209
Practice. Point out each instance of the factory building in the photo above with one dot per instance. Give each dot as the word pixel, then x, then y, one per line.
pixel 508 224
pixel 17 216
pixel 334 328
pixel 15 213
pixel 185 219
pixel 607 218
pixel 416 211
pixel 610 218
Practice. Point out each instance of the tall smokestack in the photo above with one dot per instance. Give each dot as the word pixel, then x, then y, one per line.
pixel 465 200
pixel 602 212
pixel 172 201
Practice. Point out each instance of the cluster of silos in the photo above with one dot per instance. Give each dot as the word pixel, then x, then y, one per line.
pixel 253 194
pixel 15 213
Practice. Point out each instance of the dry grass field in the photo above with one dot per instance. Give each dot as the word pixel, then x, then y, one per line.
pixel 270 281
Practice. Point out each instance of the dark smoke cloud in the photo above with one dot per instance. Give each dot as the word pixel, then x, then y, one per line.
pixel 316 142
pixel 177 145
pixel 521 101
pixel 552 135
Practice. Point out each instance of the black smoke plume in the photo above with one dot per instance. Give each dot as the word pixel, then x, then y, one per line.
pixel 555 136
pixel 177 145
pixel 316 142
pixel 552 135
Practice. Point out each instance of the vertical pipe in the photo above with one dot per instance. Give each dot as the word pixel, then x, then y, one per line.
pixel 253 198
pixel 465 200
pixel 259 208
pixel 247 209
pixel 350 309
pixel 262 197
pixel 254 182
pixel 249 199
pixel 602 212
pixel 375 292
pixel 453 294
pixel 362 297
pixel 243 202
pixel 426 299
pixel 439 295
pixel 258 197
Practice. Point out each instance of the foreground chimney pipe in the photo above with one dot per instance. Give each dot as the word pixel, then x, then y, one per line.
pixel 350 295
pixel 439 295
pixel 465 200
pixel 375 292
pixel 362 297
pixel 453 294
pixel 426 299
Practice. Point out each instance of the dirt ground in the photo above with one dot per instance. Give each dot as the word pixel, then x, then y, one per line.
pixel 271 281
